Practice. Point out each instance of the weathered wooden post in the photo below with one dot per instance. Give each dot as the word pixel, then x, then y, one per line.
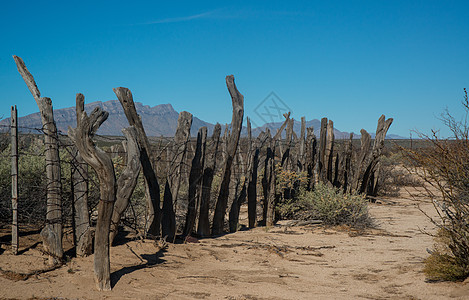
pixel 271 180
pixel 79 176
pixel 152 188
pixel 266 177
pixel 195 180
pixel 346 167
pixel 372 160
pixel 203 227
pixel 176 162
pixel 232 145
pixel 286 154
pixel 242 171
pixel 14 180
pixel 310 156
pixel 322 162
pixel 361 161
pixel 52 232
pixel 101 162
pixel 301 159
pixel 127 180
pixel 329 151
pixel 252 177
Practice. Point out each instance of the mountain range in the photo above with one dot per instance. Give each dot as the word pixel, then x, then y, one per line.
pixel 160 120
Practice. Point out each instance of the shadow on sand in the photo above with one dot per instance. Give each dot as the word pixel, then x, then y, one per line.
pixel 151 260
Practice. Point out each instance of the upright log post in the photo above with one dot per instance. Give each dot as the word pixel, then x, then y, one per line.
pixel 127 180
pixel 271 179
pixel 14 180
pixel 361 161
pixel 310 156
pixel 266 177
pixel 79 176
pixel 245 171
pixel 181 140
pixel 252 184
pixel 195 180
pixel 203 227
pixel 286 154
pixel 152 188
pixel 52 232
pixel 301 159
pixel 177 158
pixel 232 145
pixel 372 160
pixel 347 162
pixel 102 164
pixel 322 162
pixel 329 155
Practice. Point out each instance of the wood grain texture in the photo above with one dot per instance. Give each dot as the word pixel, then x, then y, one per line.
pixel 52 232
pixel 152 188
pixel 237 100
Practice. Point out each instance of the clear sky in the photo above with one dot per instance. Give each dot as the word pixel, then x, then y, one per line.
pixel 350 61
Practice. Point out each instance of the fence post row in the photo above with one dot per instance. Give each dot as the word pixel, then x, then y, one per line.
pixel 319 159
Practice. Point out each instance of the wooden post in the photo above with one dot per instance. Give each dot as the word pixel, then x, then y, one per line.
pixel 266 177
pixel 371 161
pixel 195 180
pixel 127 180
pixel 181 139
pixel 286 154
pixel 203 227
pixel 232 145
pixel 361 161
pixel 310 156
pixel 79 176
pixel 152 188
pixel 329 155
pixel 301 160
pixel 14 180
pixel 52 232
pixel 176 158
pixel 252 177
pixel 347 161
pixel 322 162
pixel 270 211
pixel 102 164
pixel 245 171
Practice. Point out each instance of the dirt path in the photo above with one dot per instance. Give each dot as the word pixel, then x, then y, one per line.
pixel 279 263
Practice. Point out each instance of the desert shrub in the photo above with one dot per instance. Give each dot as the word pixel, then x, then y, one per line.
pixel 441 265
pixel 289 183
pixel 444 166
pixel 329 204
pixel 31 186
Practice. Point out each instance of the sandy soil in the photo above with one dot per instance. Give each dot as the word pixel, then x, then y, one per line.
pixel 277 263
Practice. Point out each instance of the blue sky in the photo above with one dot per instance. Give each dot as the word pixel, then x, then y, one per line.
pixel 350 61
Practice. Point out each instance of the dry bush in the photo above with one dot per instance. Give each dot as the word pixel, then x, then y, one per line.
pixel 444 167
pixel 330 205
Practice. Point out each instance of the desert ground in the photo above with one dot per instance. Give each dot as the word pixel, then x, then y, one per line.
pixel 281 262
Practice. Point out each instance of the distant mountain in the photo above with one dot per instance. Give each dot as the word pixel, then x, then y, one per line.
pixel 315 123
pixel 160 120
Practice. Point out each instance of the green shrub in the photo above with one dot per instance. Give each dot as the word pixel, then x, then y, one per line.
pixel 330 205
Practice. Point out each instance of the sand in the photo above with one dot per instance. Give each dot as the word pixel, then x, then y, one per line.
pixel 282 262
